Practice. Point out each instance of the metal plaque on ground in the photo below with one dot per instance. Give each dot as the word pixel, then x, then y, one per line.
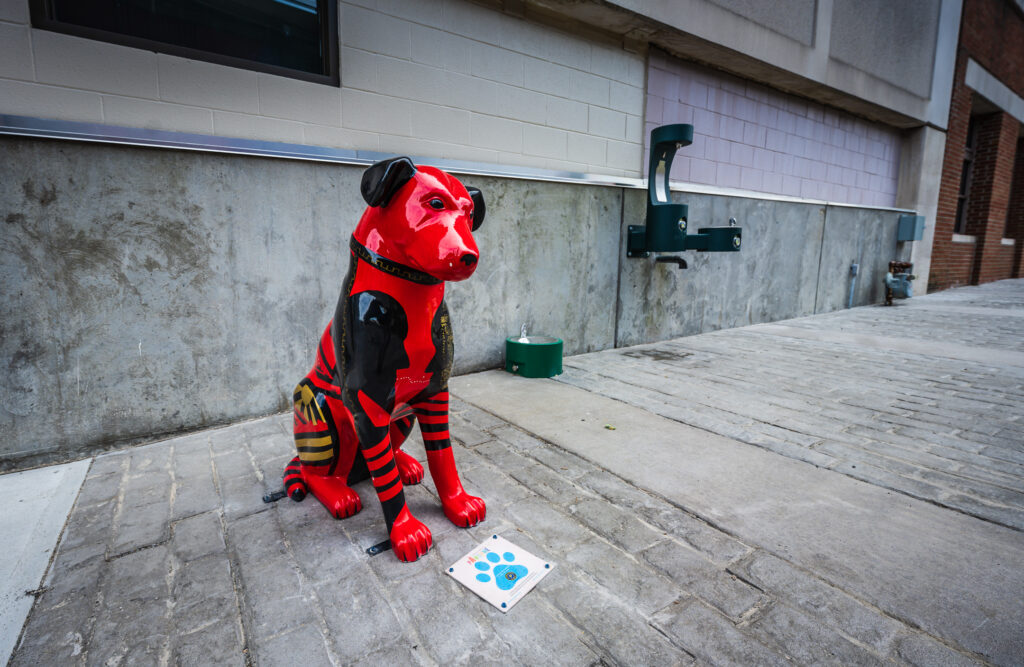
pixel 499 572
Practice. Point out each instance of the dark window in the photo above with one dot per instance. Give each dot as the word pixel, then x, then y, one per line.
pixel 964 197
pixel 296 38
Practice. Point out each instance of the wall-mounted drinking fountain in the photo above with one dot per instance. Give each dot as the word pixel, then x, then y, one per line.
pixel 665 230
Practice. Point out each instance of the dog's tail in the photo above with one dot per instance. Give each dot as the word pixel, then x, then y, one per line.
pixel 294 485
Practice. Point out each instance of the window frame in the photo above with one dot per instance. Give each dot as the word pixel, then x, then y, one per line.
pixel 41 15
pixel 960 221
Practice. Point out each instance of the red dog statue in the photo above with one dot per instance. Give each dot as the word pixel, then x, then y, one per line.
pixel 386 356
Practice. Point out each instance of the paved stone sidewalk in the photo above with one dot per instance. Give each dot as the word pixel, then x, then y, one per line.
pixel 931 421
pixel 169 555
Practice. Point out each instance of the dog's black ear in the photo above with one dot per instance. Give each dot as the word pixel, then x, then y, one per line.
pixel 383 179
pixel 479 208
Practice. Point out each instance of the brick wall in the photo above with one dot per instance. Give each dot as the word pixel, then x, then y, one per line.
pixel 990 196
pixel 991 33
pixel 752 137
pixel 445 79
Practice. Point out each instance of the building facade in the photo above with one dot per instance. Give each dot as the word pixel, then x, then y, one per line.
pixel 176 219
pixel 978 233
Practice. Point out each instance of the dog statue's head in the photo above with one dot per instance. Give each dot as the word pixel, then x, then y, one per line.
pixel 421 217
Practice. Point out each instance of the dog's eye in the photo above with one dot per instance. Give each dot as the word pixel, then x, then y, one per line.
pixel 436 203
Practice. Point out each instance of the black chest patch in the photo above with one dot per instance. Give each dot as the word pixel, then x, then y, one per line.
pixel 371 343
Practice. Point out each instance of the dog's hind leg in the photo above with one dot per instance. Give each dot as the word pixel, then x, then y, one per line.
pixel 318 467
pixel 461 508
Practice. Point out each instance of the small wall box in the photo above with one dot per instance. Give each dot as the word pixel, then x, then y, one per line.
pixel 910 228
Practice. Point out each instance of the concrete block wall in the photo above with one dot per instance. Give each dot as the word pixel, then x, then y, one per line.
pixel 462 81
pixel 752 137
pixel 145 292
pixel 444 78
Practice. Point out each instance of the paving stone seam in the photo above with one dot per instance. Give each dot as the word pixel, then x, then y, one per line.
pixel 671 640
pixel 236 582
pixel 38 592
pixel 99 600
pixel 118 509
pixel 709 608
pixel 398 610
pixel 944 500
pixel 310 589
pixel 769 641
pixel 956 470
pixel 908 625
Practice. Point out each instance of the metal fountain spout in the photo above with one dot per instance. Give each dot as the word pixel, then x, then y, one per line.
pixel 666 226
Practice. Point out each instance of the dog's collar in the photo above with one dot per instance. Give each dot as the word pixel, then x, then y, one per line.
pixel 391 267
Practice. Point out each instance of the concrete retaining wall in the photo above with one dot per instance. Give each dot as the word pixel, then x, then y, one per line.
pixel 145 292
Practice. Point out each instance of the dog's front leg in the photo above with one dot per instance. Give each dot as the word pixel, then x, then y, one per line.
pixel 410 539
pixel 461 508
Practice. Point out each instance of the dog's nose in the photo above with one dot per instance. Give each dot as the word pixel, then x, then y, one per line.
pixel 469 259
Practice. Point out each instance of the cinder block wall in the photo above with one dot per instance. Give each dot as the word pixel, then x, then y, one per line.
pixel 449 79
pixel 756 138
pixel 145 292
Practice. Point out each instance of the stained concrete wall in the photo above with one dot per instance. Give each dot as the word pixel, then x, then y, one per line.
pixel 795 261
pixel 549 260
pixel 145 292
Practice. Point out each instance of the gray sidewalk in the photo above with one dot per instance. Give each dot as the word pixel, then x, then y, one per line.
pixel 845 488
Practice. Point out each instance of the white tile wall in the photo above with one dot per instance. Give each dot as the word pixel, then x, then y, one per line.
pixel 207 85
pixel 27 99
pixel 15 11
pixel 133 112
pixel 545 142
pixel 441 124
pixel 16 52
pixel 248 126
pixel 85 64
pixel 292 99
pixel 437 78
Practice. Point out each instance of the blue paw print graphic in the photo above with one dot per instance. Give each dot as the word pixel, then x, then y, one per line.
pixel 505 575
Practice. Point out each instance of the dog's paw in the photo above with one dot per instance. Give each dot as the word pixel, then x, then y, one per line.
pixel 341 501
pixel 409 469
pixel 345 504
pixel 410 539
pixel 465 510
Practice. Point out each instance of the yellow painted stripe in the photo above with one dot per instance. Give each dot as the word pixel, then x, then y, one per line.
pixel 313 442
pixel 319 456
